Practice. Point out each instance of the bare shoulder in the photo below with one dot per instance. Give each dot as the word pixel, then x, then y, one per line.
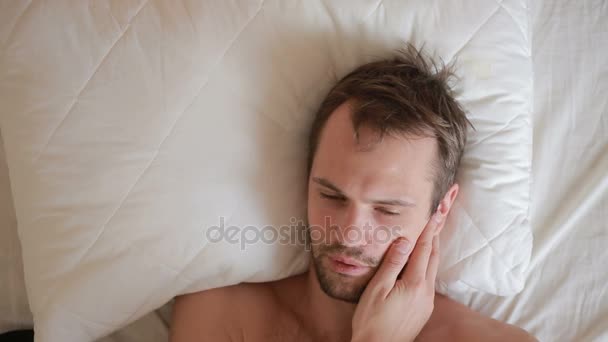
pixel 221 314
pixel 456 322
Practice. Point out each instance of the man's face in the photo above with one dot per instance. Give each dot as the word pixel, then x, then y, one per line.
pixel 360 200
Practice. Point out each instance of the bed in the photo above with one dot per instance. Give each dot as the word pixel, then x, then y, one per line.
pixel 566 296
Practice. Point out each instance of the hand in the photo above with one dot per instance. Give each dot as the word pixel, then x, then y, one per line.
pixel 395 306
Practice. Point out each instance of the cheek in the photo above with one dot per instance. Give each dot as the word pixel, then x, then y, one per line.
pixel 408 227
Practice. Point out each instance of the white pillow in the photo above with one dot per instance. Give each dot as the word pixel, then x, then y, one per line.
pixel 131 128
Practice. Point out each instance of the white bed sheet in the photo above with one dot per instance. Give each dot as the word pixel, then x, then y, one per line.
pixel 566 296
pixel 14 309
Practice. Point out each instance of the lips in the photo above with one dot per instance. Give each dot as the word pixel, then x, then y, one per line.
pixel 347 261
pixel 347 266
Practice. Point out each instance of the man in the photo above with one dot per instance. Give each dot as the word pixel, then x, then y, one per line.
pixel 384 149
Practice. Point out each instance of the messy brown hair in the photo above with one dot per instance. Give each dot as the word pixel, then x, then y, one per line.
pixel 405 95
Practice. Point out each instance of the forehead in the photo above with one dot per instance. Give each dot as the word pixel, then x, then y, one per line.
pixel 393 160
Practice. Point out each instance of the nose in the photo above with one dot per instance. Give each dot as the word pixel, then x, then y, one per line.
pixel 355 227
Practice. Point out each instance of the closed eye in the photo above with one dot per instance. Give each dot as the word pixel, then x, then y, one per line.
pixel 387 212
pixel 332 197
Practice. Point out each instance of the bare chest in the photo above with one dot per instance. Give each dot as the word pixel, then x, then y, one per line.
pixel 277 330
pixel 275 325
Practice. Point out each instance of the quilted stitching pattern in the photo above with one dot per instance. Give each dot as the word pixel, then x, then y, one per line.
pixel 101 62
pixel 179 116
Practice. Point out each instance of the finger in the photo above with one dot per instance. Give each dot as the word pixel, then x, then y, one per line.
pixel 419 260
pixel 431 272
pixel 393 262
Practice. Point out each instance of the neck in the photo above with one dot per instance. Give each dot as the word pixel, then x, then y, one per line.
pixel 330 319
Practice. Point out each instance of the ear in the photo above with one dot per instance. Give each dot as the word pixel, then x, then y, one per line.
pixel 445 205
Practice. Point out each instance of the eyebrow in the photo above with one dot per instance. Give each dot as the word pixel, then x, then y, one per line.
pixel 396 202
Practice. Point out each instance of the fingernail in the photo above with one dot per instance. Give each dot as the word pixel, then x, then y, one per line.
pixel 403 246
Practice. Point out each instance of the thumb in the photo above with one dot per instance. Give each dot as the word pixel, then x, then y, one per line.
pixel 392 264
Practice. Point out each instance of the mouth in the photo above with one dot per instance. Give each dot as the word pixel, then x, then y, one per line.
pixel 347 266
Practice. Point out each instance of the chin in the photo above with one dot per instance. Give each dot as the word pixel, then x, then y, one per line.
pixel 341 287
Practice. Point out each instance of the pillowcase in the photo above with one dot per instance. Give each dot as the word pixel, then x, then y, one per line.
pixel 135 130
